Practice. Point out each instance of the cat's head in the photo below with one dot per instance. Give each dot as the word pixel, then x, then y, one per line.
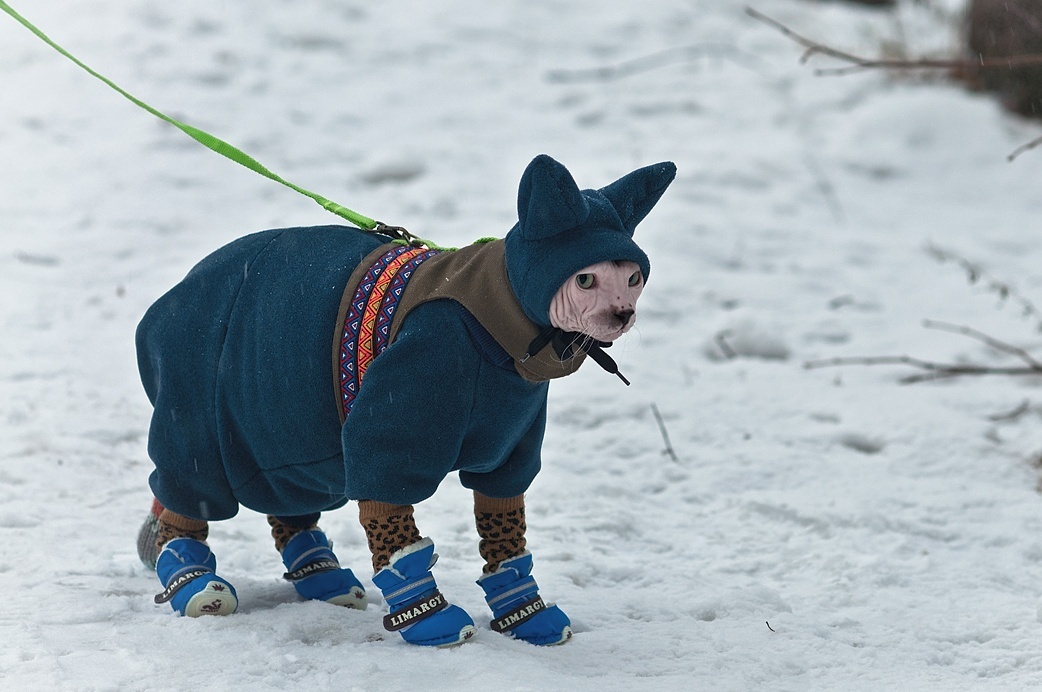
pixel 571 258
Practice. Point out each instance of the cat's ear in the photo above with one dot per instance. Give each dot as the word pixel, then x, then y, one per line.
pixel 634 194
pixel 548 200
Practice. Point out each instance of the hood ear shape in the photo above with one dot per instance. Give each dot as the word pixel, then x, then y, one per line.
pixel 562 229
pixel 634 194
pixel 548 200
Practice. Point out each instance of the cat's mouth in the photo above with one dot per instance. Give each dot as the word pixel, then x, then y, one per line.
pixel 611 326
pixel 607 336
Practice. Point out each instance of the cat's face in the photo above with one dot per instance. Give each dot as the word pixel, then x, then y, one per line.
pixel 599 301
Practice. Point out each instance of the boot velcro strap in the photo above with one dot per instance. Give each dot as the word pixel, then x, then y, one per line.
pixel 311 568
pixel 520 614
pixel 180 582
pixel 414 612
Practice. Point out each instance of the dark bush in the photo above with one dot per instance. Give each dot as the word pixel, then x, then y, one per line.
pixel 1004 28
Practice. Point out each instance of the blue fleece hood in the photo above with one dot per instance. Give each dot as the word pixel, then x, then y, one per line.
pixel 562 229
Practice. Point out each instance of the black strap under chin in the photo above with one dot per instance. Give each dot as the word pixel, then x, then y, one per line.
pixel 564 344
pixel 596 351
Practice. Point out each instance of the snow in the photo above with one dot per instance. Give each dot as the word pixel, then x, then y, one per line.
pixel 821 529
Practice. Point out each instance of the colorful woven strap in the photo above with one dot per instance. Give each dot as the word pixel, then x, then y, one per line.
pixel 366 329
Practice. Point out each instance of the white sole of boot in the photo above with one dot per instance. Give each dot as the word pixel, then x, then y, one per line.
pixel 215 599
pixel 356 599
pixel 466 633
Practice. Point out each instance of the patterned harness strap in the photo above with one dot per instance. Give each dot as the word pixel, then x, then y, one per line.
pixel 367 326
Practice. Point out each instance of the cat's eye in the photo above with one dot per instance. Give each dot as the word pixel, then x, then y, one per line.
pixel 635 279
pixel 584 281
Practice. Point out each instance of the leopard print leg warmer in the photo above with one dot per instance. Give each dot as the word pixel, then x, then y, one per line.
pixel 285 528
pixel 501 526
pixel 172 525
pixel 388 528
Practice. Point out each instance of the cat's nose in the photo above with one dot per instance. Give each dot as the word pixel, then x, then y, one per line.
pixel 624 316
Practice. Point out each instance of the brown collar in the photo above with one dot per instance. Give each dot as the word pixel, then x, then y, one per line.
pixel 476 277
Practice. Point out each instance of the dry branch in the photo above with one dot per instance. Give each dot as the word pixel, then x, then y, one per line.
pixel 668 451
pixel 1024 147
pixel 654 61
pixel 858 63
pixel 1013 415
pixel 990 341
pixel 938 371
pixel 934 370
pixel 976 274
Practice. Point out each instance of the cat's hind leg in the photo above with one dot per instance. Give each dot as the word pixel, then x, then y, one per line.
pixel 187 569
pixel 312 566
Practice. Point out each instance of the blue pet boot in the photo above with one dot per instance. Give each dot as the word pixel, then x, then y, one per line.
pixel 316 573
pixel 418 611
pixel 517 609
pixel 186 569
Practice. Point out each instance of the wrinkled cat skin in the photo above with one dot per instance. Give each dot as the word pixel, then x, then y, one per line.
pixel 599 301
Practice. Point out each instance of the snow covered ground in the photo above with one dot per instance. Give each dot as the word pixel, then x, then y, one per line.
pixel 820 529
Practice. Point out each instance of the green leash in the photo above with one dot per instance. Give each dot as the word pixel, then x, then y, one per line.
pixel 237 155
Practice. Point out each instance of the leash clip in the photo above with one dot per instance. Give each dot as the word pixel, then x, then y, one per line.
pixel 399 233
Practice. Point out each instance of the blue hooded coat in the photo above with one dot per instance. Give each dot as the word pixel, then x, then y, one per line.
pixel 236 359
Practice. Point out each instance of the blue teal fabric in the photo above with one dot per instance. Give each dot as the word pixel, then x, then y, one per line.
pixel 237 362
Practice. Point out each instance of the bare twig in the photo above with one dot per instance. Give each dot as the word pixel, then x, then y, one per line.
pixel 976 274
pixel 936 371
pixel 933 370
pixel 946 369
pixel 1024 147
pixel 940 371
pixel 988 340
pixel 654 61
pixel 928 377
pixel 858 63
pixel 1016 413
pixel 668 451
